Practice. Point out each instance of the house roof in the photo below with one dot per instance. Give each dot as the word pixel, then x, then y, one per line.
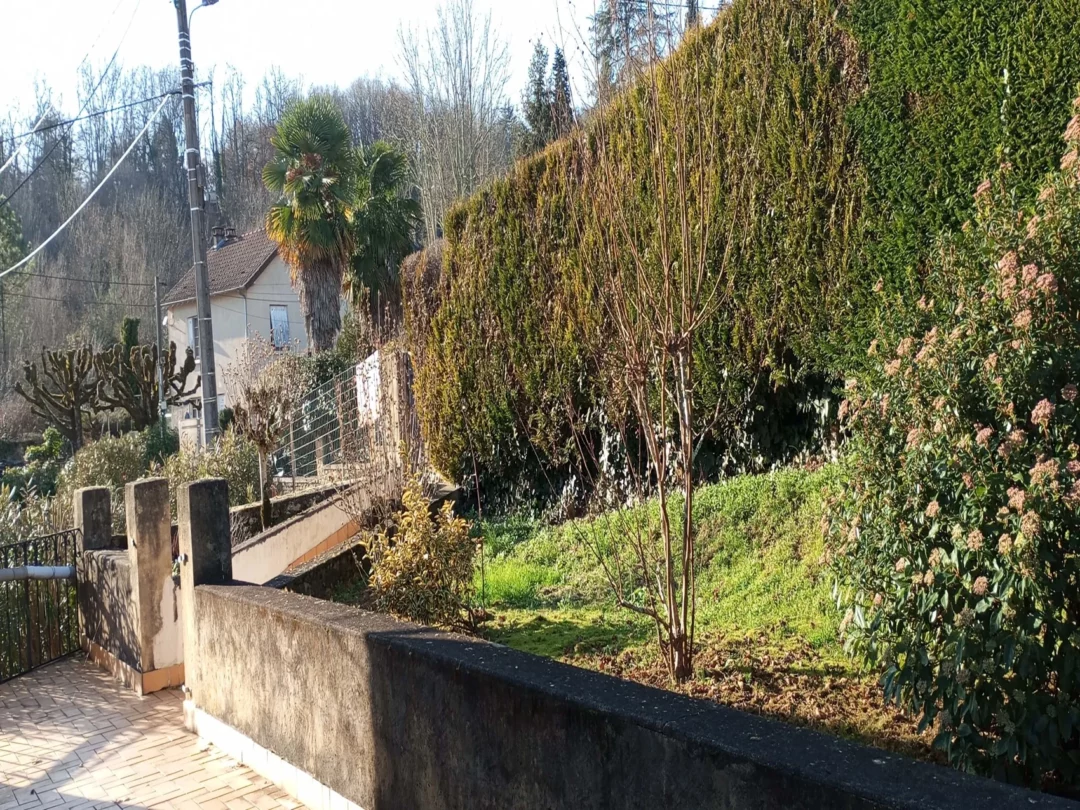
pixel 232 266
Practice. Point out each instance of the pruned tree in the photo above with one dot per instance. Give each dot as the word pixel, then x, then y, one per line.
pixel 128 379
pixel 268 384
pixel 63 391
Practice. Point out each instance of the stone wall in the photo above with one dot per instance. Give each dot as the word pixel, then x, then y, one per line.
pixel 247 521
pixel 389 715
pixel 105 604
pixel 129 602
pixel 325 575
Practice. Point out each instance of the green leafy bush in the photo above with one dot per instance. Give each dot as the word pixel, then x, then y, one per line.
pixel 425 571
pixel 161 442
pixel 111 462
pixel 957 536
pixel 233 458
pixel 30 515
pixel 863 124
pixel 43 464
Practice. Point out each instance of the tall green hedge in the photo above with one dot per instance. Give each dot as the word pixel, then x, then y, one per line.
pixel 863 125
pixel 955 87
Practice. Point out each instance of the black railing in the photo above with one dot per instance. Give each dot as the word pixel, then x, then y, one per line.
pixel 39 615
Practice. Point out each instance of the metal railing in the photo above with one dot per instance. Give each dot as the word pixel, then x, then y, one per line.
pixel 39 612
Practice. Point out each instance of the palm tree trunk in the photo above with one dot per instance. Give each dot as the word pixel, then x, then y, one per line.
pixel 319 287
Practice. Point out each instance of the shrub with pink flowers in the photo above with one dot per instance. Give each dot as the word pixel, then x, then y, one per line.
pixel 956 536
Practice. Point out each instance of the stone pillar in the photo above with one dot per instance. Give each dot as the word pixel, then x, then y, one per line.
pixel 93 518
pixel 153 592
pixel 205 559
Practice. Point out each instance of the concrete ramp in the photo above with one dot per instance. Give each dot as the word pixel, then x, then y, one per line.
pixel 297 540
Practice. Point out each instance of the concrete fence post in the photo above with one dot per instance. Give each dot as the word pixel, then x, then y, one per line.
pixel 153 592
pixel 205 559
pixel 93 518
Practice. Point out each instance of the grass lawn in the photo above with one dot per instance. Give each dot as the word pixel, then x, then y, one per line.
pixel 766 623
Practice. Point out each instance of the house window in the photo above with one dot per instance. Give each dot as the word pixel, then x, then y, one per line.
pixel 279 326
pixel 193 336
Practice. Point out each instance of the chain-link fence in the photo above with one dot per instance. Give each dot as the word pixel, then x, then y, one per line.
pixel 359 426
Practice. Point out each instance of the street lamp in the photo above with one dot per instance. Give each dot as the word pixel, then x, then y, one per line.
pixel 201 5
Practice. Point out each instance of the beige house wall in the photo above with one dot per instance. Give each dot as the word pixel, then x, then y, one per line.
pixel 237 315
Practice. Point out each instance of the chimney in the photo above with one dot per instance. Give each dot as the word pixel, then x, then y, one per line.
pixel 230 234
pixel 217 233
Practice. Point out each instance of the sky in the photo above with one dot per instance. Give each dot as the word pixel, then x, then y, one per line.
pixel 46 40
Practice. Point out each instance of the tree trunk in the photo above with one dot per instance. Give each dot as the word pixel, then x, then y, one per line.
pixel 681 656
pixel 319 288
pixel 266 513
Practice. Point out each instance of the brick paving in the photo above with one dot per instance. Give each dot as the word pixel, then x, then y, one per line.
pixel 71 737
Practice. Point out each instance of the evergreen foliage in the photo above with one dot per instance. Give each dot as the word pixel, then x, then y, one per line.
pixel 536 104
pixel 835 109
pixel 562 97
pixel 12 245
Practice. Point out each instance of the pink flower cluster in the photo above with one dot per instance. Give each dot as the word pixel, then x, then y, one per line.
pixel 1042 413
pixel 1017 497
pixel 1045 472
pixel 974 540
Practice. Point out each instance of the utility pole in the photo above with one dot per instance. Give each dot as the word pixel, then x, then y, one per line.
pixel 163 353
pixel 198 229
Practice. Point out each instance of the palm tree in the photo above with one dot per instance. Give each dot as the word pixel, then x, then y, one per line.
pixel 314 173
pixel 387 219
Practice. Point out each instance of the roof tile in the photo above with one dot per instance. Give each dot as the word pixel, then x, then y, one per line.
pixel 232 266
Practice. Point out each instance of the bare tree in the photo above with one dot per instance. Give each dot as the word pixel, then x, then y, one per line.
pixel 457 74
pixel 268 384
pixel 660 269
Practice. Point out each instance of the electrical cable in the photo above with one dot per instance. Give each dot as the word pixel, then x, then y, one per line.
pixel 84 280
pixel 48 107
pixel 65 301
pixel 93 193
pixel 18 149
pixel 98 113
pixel 82 109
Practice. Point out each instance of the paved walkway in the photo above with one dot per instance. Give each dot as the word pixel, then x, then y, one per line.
pixel 71 737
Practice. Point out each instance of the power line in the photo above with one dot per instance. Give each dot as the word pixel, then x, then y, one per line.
pixel 15 152
pixel 91 303
pixel 84 280
pixel 93 193
pixel 98 113
pixel 48 107
pixel 82 108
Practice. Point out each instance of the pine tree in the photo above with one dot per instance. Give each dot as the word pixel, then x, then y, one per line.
pixel 627 35
pixel 537 102
pixel 693 14
pixel 562 100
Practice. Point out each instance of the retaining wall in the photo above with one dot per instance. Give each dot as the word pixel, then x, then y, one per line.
pixel 348 708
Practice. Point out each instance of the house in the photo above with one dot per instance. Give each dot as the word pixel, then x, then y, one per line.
pixel 250 293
